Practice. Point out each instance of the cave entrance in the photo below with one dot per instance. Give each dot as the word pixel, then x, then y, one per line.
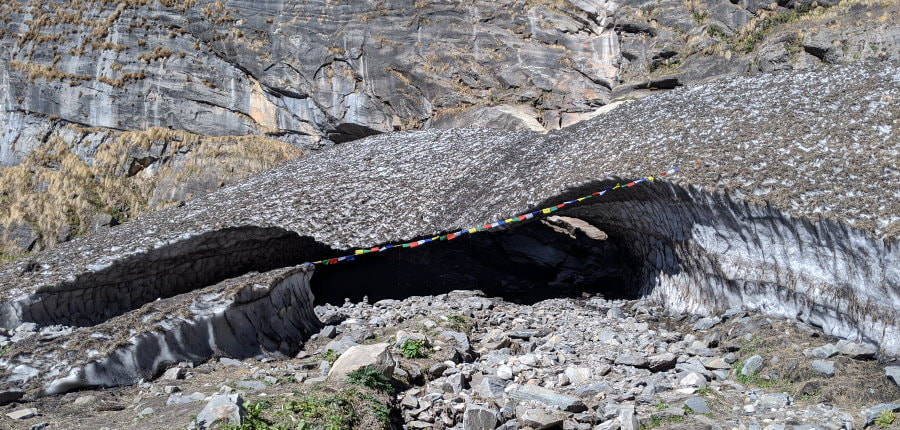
pixel 548 258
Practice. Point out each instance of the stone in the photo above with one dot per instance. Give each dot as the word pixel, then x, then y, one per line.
pixel 825 351
pixel 146 412
pixel 527 334
pixel 693 379
pixel 504 372
pixel 409 402
pixel 329 332
pixel 716 363
pixel 824 367
pixel 697 404
pixel 609 425
pixel 774 400
pixel 221 408
pixel 9 396
pixel 173 373
pixel 856 351
pixel 490 387
pixel 529 392
pixel 593 389
pixel 706 323
pixel 752 365
pixel 891 372
pixel 479 418
pixel 23 414
pixel 631 360
pixel 578 375
pixel 84 400
pixel 456 383
pixel 661 362
pixel 40 426
pixel 539 418
pixel 496 339
pixel 230 361
pixel 341 345
pixel 437 369
pixel 376 356
pixel 627 418
pixel 615 312
pixel 251 385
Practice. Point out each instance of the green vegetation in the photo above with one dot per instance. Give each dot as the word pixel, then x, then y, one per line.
pixel 6 348
pixel 748 39
pixel 753 378
pixel 661 406
pixel 461 323
pixel 253 419
pixel 885 418
pixel 656 421
pixel 371 378
pixel 330 356
pixel 332 412
pixel 704 391
pixel 412 348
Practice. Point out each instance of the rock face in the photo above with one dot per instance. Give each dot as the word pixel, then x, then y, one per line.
pixel 822 249
pixel 306 72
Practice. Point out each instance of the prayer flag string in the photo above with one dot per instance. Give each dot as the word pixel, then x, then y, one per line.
pixel 519 218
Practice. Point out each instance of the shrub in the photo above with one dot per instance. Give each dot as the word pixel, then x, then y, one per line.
pixel 414 349
pixel 371 378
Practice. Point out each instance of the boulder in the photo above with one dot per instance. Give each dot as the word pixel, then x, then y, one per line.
pixel 824 367
pixel 376 356
pixel 535 393
pixel 855 350
pixel 221 408
pixel 631 360
pixel 752 365
pixel 538 417
pixel 697 404
pixel 825 351
pixel 893 373
pixel 661 362
pixel 479 418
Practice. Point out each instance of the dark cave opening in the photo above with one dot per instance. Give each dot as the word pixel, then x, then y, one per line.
pixel 531 262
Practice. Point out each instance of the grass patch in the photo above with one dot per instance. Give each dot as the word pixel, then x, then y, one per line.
pixel 704 391
pixel 252 419
pixel 372 379
pixel 885 418
pixel 660 406
pixel 412 348
pixel 330 356
pixel 461 323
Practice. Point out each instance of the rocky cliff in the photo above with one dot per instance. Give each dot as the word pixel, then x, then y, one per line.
pixel 779 208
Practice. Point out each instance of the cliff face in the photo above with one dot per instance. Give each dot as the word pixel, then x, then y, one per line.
pixel 313 72
pixel 779 208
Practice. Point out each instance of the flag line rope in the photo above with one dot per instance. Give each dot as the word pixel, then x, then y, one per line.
pixel 486 227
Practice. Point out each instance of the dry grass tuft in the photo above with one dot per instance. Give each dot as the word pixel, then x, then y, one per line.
pixel 54 189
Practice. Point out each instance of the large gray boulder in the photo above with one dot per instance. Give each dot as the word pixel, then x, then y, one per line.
pixel 376 356
pixel 221 409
